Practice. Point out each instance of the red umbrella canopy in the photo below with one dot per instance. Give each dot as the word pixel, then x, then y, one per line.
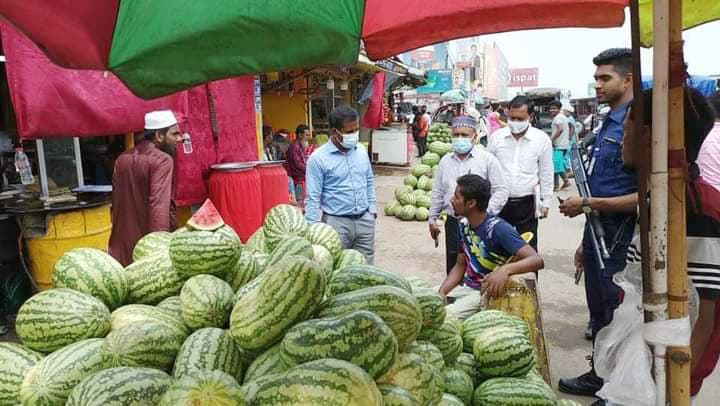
pixel 159 47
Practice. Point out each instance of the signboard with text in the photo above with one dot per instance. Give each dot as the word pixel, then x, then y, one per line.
pixel 524 77
pixel 438 81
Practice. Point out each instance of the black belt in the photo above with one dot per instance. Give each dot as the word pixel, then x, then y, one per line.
pixel 350 216
pixel 521 199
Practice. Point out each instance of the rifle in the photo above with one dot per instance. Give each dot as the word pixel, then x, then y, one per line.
pixel 597 232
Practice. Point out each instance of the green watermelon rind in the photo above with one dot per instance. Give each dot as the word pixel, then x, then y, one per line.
pixel 121 386
pixel 15 362
pixel 206 301
pixel 94 272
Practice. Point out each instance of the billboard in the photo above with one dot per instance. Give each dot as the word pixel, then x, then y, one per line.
pixel 524 77
pixel 438 81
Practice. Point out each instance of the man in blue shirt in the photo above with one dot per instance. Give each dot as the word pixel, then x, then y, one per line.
pixel 490 249
pixel 341 185
pixel 614 196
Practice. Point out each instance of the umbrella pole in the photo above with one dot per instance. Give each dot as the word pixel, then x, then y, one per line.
pixel 678 357
pixel 659 185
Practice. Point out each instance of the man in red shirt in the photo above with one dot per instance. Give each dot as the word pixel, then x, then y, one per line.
pixel 297 160
pixel 143 186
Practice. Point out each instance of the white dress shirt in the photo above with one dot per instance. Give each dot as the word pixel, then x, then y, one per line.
pixel 451 167
pixel 525 162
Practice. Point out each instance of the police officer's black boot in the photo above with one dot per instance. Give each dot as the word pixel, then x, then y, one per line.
pixel 586 384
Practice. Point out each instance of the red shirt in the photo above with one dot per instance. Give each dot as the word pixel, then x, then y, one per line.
pixel 296 162
pixel 142 199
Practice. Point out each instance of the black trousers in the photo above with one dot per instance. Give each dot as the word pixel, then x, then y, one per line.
pixel 452 240
pixel 520 212
pixel 422 145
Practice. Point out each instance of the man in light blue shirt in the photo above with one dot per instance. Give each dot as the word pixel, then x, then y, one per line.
pixel 341 185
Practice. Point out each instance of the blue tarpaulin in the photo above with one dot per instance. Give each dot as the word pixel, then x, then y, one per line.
pixel 705 85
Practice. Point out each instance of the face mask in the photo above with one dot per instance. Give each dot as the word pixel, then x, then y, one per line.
pixel 349 141
pixel 518 127
pixel 462 145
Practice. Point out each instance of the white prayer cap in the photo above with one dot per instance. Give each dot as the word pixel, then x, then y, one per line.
pixel 156 120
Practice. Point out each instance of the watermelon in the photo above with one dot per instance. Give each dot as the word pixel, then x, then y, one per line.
pixel 157 242
pixel 243 272
pixel 486 319
pixel 397 209
pixel 407 213
pixel 209 349
pixel 326 236
pixel 432 307
pixel 359 337
pixel 403 190
pixel 256 242
pixel 450 400
pixel 204 388
pixel 287 293
pixel 416 282
pixel 568 402
pixel 410 180
pixel 419 193
pixel 421 379
pixel 261 261
pixel 440 148
pixel 459 383
pixel 447 339
pixel 428 352
pixel 120 387
pixel 324 259
pixel 172 304
pixel 152 279
pixel 349 257
pixel 15 362
pixel 291 246
pixel 513 391
pixel 267 363
pixel 206 218
pixel 395 306
pixel 422 214
pixel 52 379
pixel 206 302
pixel 425 183
pixel 196 252
pixel 94 272
pixel 283 221
pixel 391 206
pixel 141 344
pixel 251 388
pixel 420 170
pixel 329 382
pixel 394 395
pixel 357 277
pixel 466 362
pixel 407 199
pixel 423 201
pixel 127 314
pixel 55 318
pixel 503 352
pixel 430 159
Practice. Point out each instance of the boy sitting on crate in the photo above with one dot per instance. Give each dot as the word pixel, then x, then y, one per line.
pixel 490 251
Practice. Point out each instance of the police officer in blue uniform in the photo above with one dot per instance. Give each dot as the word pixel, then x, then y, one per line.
pixel 614 196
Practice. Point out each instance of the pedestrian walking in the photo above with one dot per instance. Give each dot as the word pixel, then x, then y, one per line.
pixel 297 161
pixel 560 137
pixel 421 127
pixel 341 185
pixel 467 158
pixel 525 155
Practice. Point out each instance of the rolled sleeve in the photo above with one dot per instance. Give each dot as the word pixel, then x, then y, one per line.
pixel 498 186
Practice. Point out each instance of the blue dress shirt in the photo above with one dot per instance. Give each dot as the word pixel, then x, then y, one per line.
pixel 607 177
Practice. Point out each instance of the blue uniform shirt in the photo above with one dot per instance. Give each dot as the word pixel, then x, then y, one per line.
pixel 607 178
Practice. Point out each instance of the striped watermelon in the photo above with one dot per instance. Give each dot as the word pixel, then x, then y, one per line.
pixel 57 317
pixel 513 391
pixel 357 277
pixel 423 201
pixel 416 282
pixel 427 352
pixel 127 314
pixel 209 349
pixel 261 260
pixel 410 180
pixel 422 213
pixel 397 396
pixel 256 242
pixel 467 363
pixel 359 337
pixel 196 252
pixel 447 339
pixel 329 382
pixel 407 213
pixel 204 388
pixel 251 388
pixel 287 293
pixel 142 344
pixel 283 221
pixel 121 387
pixel 243 272
pixel 391 206
pixel 407 199
pixel 349 257
pixel 94 272
pixel 152 279
pixel 420 170
pixel 206 301
pixel 15 362
pixel 450 400
pixel 486 319
pixel 425 183
pixel 459 383
pixel 568 402
pixel 430 158
pixel 324 259
pixel 291 246
pixel 395 306
pixel 171 304
pixel 402 190
pixel 503 352
pixel 432 307
pixel 267 363
pixel 418 377
pixel 152 244
pixel 52 379
pixel 326 236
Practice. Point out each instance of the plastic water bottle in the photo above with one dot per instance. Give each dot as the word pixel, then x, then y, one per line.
pixel 187 144
pixel 22 165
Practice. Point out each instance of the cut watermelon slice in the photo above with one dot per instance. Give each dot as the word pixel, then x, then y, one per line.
pixel 207 218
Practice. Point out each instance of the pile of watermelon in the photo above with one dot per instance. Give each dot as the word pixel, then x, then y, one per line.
pixel 439 132
pixel 290 318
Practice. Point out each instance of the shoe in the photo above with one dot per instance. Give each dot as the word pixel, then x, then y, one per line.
pixel 586 384
pixel 588 331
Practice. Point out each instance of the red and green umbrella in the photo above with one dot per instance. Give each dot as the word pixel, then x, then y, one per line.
pixel 157 47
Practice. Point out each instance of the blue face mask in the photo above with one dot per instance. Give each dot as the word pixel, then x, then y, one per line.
pixel 349 141
pixel 462 145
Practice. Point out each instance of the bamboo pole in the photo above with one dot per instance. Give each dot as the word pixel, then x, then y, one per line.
pixel 678 358
pixel 659 185
pixel 129 141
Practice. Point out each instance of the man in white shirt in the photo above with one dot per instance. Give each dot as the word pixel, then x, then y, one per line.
pixel 560 137
pixel 427 115
pixel 466 159
pixel 525 155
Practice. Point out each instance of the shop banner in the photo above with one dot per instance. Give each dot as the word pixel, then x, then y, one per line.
pixel 438 81
pixel 374 115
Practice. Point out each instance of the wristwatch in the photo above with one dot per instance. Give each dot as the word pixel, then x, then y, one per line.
pixel 586 206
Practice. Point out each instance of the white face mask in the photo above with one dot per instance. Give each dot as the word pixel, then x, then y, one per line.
pixel 349 141
pixel 518 127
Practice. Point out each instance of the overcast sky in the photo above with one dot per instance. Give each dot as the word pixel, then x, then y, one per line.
pixel 564 56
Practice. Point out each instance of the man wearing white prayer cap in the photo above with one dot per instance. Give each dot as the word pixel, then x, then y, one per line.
pixel 143 186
